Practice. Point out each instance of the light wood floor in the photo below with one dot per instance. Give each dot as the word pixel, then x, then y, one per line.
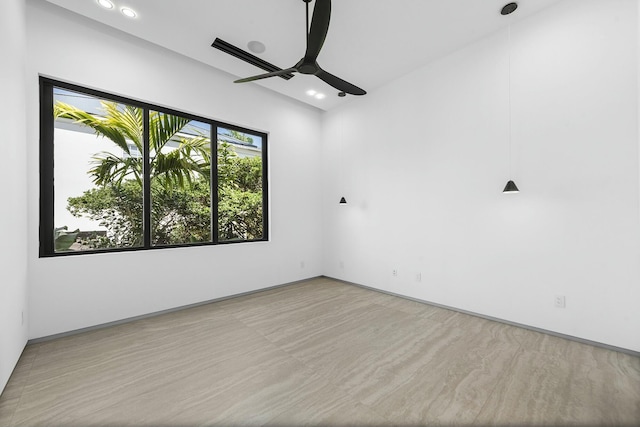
pixel 319 352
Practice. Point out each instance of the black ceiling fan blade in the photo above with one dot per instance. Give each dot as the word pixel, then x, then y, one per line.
pixel 232 50
pixel 267 75
pixel 319 29
pixel 340 84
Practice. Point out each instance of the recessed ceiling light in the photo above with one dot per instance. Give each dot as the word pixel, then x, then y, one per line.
pixel 311 92
pixel 129 13
pixel 106 4
pixel 256 46
pixel 320 95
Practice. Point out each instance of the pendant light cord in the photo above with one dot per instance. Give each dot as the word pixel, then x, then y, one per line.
pixel 340 135
pixel 509 67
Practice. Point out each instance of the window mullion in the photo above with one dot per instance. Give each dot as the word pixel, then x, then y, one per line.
pixel 265 190
pixel 214 183
pixel 146 180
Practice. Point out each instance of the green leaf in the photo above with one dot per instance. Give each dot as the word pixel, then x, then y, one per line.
pixel 63 239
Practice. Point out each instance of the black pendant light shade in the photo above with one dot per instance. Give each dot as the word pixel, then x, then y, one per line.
pixel 511 188
pixel 509 8
pixel 343 201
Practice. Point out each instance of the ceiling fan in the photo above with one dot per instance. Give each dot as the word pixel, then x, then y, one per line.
pixel 316 35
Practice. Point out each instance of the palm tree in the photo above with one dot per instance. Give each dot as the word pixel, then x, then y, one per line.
pixel 123 125
pixel 179 167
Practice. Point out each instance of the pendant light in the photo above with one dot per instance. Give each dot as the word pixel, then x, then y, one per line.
pixel 343 201
pixel 511 187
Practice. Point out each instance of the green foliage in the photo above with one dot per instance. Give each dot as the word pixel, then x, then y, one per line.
pixel 181 203
pixel 240 215
pixel 64 239
pixel 241 136
pixel 239 195
pixel 116 207
pixel 123 125
pixel 179 215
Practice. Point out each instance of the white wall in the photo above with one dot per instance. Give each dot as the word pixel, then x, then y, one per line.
pixel 13 267
pixel 423 160
pixel 80 291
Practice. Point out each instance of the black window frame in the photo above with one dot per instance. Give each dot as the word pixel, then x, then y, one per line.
pixel 47 185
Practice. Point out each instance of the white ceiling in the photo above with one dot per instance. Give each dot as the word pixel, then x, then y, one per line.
pixel 370 42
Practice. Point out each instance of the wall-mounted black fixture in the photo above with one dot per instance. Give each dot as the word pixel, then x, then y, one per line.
pixel 343 201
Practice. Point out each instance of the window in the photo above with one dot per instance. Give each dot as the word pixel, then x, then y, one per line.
pixel 118 174
pixel 239 185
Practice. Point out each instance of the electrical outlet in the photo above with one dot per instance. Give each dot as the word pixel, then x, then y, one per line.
pixel 419 277
pixel 394 273
pixel 301 264
pixel 22 317
pixel 560 301
pixel 341 264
